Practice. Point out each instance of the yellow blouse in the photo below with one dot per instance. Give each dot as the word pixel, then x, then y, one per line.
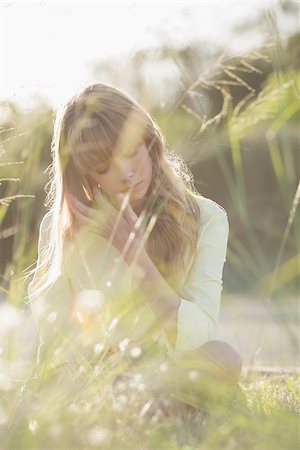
pixel 97 292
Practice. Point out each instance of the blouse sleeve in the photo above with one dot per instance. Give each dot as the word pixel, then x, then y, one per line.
pixel 52 309
pixel 198 312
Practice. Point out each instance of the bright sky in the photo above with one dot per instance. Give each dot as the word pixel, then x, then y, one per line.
pixel 47 47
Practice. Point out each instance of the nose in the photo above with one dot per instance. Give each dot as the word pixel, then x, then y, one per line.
pixel 126 171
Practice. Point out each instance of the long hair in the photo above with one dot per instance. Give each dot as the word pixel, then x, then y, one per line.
pixel 86 129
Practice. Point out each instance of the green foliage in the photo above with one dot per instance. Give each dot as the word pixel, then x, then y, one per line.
pixel 25 154
pixel 247 160
pixel 243 151
pixel 87 406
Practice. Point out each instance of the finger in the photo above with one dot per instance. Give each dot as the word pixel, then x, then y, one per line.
pixel 95 225
pixel 126 209
pixel 84 209
pixel 80 216
pixel 102 201
pixel 134 217
pixel 97 218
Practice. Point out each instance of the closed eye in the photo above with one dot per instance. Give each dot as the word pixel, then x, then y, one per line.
pixel 128 156
pixel 104 171
pixel 134 153
pixel 131 155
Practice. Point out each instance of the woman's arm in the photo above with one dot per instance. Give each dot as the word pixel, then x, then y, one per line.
pixel 163 300
pixel 190 319
pixel 52 308
pixel 198 312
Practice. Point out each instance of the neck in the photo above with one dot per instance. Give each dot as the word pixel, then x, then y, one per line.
pixel 138 206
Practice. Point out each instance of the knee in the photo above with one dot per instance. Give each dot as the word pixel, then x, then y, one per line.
pixel 225 357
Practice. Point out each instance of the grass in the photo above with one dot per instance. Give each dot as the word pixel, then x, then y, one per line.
pixel 80 406
pixel 92 404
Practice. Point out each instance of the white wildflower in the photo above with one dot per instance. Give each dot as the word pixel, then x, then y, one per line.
pixel 52 317
pixel 123 344
pixel 90 300
pixel 98 436
pixel 98 348
pixel 136 352
pixel 33 426
pixel 163 367
pixel 136 382
pixel 81 369
pixel 193 375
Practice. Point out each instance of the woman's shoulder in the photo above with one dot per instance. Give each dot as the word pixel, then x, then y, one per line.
pixel 209 209
pixel 214 223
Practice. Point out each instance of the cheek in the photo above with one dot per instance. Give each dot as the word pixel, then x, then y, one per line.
pixel 149 166
pixel 146 164
pixel 105 181
pixel 107 184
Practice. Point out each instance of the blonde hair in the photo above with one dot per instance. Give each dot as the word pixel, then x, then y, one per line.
pixel 87 128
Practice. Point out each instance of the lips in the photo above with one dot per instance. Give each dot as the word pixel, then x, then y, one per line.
pixel 133 187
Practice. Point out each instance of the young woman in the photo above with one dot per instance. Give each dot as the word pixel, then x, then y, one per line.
pixel 130 255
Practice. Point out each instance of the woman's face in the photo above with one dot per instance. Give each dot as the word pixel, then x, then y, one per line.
pixel 131 171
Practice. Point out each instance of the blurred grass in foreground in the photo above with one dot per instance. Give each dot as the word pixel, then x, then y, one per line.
pixel 75 407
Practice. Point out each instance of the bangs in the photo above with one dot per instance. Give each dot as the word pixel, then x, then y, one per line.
pixel 95 143
pixel 103 135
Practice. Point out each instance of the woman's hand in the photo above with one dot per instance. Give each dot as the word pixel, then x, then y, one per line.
pixel 119 226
